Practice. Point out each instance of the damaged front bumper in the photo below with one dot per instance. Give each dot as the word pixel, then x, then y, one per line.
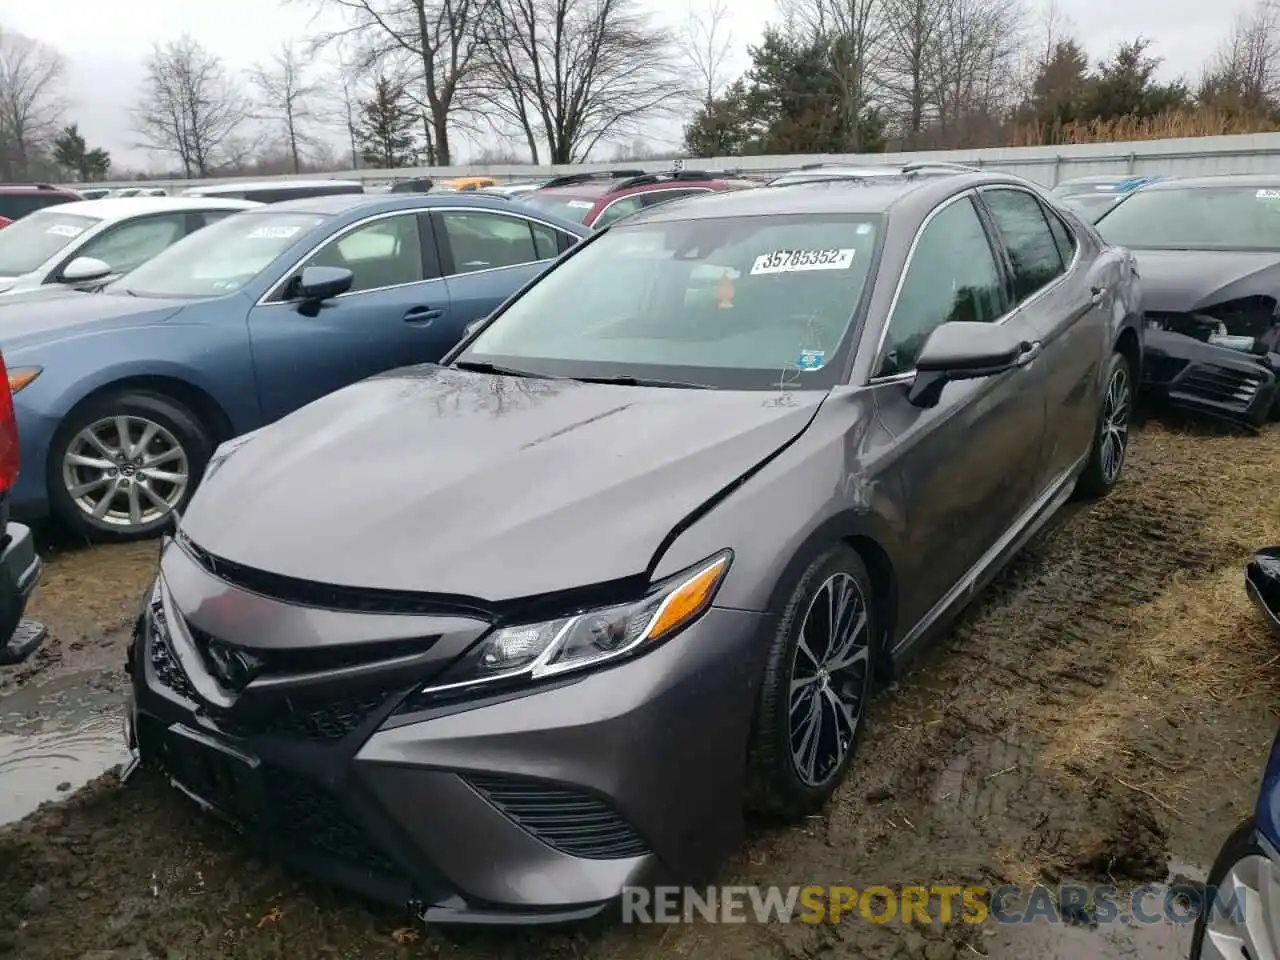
pixel 1209 379
pixel 1262 581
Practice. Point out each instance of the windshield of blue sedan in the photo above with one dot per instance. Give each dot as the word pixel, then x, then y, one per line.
pixel 27 243
pixel 1196 218
pixel 219 259
pixel 741 302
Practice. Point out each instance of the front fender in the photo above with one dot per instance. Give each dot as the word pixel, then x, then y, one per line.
pixel 811 496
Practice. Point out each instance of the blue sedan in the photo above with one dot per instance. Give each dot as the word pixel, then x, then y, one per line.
pixel 123 395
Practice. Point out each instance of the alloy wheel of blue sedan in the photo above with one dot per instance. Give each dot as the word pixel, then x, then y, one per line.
pixel 1253 929
pixel 125 471
pixel 828 680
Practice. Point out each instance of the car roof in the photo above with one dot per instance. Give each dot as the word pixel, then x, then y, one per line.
pixel 116 208
pixel 35 188
pixel 235 186
pixel 830 195
pixel 1270 180
pixel 371 203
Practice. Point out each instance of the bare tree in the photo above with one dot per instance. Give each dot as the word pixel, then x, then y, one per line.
pixel 440 39
pixel 974 62
pixel 708 44
pixel 31 105
pixel 192 108
pixel 284 95
pixel 574 73
pixel 1246 67
pixel 348 103
pixel 911 33
pixel 852 31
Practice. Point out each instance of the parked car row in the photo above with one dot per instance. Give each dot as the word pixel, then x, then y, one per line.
pixel 654 528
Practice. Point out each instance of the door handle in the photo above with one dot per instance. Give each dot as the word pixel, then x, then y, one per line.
pixel 423 314
pixel 1097 295
pixel 1029 352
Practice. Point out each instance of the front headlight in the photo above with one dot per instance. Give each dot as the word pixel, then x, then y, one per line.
pixel 534 651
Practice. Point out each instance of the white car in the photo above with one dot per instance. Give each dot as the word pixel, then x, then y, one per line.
pixel 89 242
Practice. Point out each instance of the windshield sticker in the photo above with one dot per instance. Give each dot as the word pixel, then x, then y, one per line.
pixel 812 359
pixel 274 233
pixel 1268 194
pixel 581 204
pixel 724 292
pixel 796 261
pixel 64 230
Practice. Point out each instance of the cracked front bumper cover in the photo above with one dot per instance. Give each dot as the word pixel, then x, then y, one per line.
pixel 1262 581
pixel 1207 379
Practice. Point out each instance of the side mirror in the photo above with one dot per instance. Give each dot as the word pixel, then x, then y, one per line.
pixel 83 269
pixel 963 350
pixel 317 284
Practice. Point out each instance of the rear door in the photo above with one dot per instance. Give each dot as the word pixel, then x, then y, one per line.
pixel 391 317
pixel 487 256
pixel 968 466
pixel 1053 296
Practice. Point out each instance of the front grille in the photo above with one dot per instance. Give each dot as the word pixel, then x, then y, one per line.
pixel 163 661
pixel 571 821
pixel 326 719
pixel 289 809
pixel 1223 384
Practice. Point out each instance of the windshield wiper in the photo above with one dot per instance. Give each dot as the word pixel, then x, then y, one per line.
pixel 478 366
pixel 629 381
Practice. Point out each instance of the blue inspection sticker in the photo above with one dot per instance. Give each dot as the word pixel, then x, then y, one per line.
pixel 812 359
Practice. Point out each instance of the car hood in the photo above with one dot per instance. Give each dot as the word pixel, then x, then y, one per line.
pixel 438 481
pixel 1181 281
pixel 36 317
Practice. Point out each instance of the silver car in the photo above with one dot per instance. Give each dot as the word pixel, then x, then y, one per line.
pixel 90 242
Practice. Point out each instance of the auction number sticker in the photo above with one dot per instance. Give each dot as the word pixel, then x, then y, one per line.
pixel 1268 194
pixel 797 261
pixel 581 204
pixel 64 230
pixel 274 233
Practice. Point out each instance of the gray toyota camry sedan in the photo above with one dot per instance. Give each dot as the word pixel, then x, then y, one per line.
pixel 497 638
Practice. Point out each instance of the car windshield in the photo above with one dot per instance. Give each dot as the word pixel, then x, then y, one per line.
pixel 221 258
pixel 740 303
pixel 27 243
pixel 1094 187
pixel 1091 204
pixel 571 208
pixel 1196 218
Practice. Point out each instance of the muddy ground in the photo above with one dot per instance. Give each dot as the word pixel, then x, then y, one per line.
pixel 1102 714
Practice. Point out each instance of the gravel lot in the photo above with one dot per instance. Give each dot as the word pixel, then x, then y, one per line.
pixel 1102 714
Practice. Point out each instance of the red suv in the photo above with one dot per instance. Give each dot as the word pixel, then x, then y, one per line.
pixel 19 199
pixel 599 199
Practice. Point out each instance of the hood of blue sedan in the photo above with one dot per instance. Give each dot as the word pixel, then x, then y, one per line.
pixel 439 481
pixel 27 319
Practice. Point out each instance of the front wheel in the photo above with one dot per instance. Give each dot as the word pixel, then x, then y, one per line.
pixel 123 463
pixel 817 683
pixel 1111 438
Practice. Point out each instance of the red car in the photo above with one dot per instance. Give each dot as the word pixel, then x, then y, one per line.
pixel 19 199
pixel 599 199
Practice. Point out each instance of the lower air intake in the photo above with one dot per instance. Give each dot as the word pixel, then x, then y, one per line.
pixel 573 822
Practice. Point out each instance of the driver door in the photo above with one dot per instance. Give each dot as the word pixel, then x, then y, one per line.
pixel 391 317
pixel 969 465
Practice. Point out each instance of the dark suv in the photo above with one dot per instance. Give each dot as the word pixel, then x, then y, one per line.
pixel 599 199
pixel 19 199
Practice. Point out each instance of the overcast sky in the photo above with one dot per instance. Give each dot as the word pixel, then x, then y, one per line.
pixel 106 43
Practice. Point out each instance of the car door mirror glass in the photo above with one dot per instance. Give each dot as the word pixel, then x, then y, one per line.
pixel 315 284
pixel 82 269
pixel 963 350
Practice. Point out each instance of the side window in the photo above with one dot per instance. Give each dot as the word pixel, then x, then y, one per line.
pixel 666 196
pixel 383 253
pixel 1034 253
pixel 952 276
pixel 213 216
pixel 482 240
pixel 546 243
pixel 619 209
pixel 132 244
pixel 1063 237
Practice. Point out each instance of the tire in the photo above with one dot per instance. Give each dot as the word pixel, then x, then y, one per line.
pixel 170 425
pixel 1239 849
pixel 775 782
pixel 1104 468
